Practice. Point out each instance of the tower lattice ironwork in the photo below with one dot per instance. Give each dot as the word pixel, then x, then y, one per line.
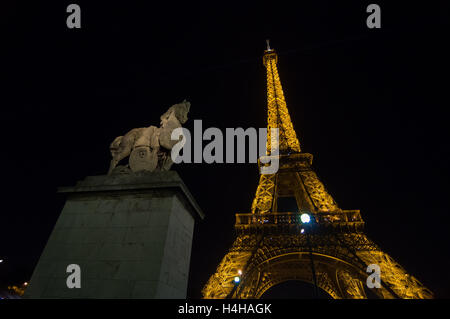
pixel 272 245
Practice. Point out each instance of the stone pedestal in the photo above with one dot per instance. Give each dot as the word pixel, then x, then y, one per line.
pixel 130 234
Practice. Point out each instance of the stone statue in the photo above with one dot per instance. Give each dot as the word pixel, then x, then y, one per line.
pixel 149 148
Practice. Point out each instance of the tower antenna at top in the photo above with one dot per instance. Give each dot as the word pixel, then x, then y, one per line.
pixel 268 45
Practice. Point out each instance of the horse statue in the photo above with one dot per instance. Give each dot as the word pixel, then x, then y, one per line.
pixel 149 148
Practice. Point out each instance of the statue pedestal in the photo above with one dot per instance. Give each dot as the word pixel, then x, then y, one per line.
pixel 131 235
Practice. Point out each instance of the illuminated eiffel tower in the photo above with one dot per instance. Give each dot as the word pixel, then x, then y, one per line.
pixel 273 245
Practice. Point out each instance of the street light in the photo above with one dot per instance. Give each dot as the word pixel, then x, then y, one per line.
pixel 305 218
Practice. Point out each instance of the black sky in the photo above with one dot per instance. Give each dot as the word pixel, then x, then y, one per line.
pixel 370 105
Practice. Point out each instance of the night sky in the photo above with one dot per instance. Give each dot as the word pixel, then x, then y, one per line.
pixel 370 105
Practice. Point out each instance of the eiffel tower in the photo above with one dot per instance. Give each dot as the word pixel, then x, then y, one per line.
pixel 314 241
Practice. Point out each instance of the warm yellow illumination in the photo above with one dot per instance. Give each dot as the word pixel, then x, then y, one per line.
pixel 278 114
pixel 268 244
